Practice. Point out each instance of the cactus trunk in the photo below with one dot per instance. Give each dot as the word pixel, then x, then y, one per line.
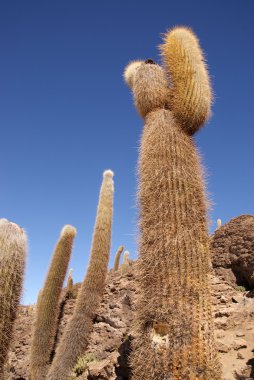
pixel 48 306
pixel 12 263
pixel 117 257
pixel 174 328
pixel 75 339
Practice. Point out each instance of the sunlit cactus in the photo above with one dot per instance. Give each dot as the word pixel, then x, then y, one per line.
pixel 125 267
pixel 219 223
pixel 69 288
pixel 191 91
pixel 48 305
pixel 76 336
pixel 117 257
pixel 12 262
pixel 174 332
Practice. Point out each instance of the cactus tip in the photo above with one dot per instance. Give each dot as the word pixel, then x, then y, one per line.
pixel 16 231
pixel 130 71
pixel 108 173
pixel 68 230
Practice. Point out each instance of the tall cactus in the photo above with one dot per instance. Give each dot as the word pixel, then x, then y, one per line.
pixel 75 339
pixel 48 306
pixel 174 333
pixel 12 263
pixel 117 257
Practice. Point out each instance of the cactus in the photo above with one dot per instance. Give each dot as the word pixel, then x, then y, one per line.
pixel 174 332
pixel 47 311
pixel 12 263
pixel 219 223
pixel 191 93
pixel 69 289
pixel 75 339
pixel 117 257
pixel 126 262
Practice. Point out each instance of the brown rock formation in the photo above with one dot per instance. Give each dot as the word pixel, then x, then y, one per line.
pixel 112 329
pixel 233 251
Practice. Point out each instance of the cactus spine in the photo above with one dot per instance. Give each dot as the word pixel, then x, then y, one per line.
pixel 75 339
pixel 174 333
pixel 48 305
pixel 12 263
pixel 117 257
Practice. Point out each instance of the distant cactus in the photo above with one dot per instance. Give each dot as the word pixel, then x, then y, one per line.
pixel 126 262
pixel 75 339
pixel 12 262
pixel 174 333
pixel 48 305
pixel 117 257
pixel 219 223
pixel 69 289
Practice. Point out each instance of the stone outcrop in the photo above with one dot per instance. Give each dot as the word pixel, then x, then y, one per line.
pixel 233 251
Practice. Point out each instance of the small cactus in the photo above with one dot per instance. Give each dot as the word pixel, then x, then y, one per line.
pixel 117 257
pixel 69 284
pixel 126 262
pixel 76 336
pixel 12 262
pixel 48 305
pixel 219 223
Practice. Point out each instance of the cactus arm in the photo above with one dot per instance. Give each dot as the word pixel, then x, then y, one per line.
pixel 191 94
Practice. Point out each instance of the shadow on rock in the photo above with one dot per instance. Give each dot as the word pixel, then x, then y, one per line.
pixel 123 370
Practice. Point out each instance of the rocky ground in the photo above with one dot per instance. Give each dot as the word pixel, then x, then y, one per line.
pixel 108 350
pixel 106 359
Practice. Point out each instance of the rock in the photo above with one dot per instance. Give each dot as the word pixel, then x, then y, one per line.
pixel 237 298
pixel 223 299
pixel 110 340
pixel 239 355
pixel 222 347
pixel 232 247
pixel 238 344
pixel 102 370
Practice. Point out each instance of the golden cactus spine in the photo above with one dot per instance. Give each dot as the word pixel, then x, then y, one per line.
pixel 75 339
pixel 174 333
pixel 12 262
pixel 117 257
pixel 48 305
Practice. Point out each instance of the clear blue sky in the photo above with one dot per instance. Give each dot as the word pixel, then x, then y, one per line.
pixel 66 115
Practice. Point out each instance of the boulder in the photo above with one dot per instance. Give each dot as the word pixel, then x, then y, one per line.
pixel 232 247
